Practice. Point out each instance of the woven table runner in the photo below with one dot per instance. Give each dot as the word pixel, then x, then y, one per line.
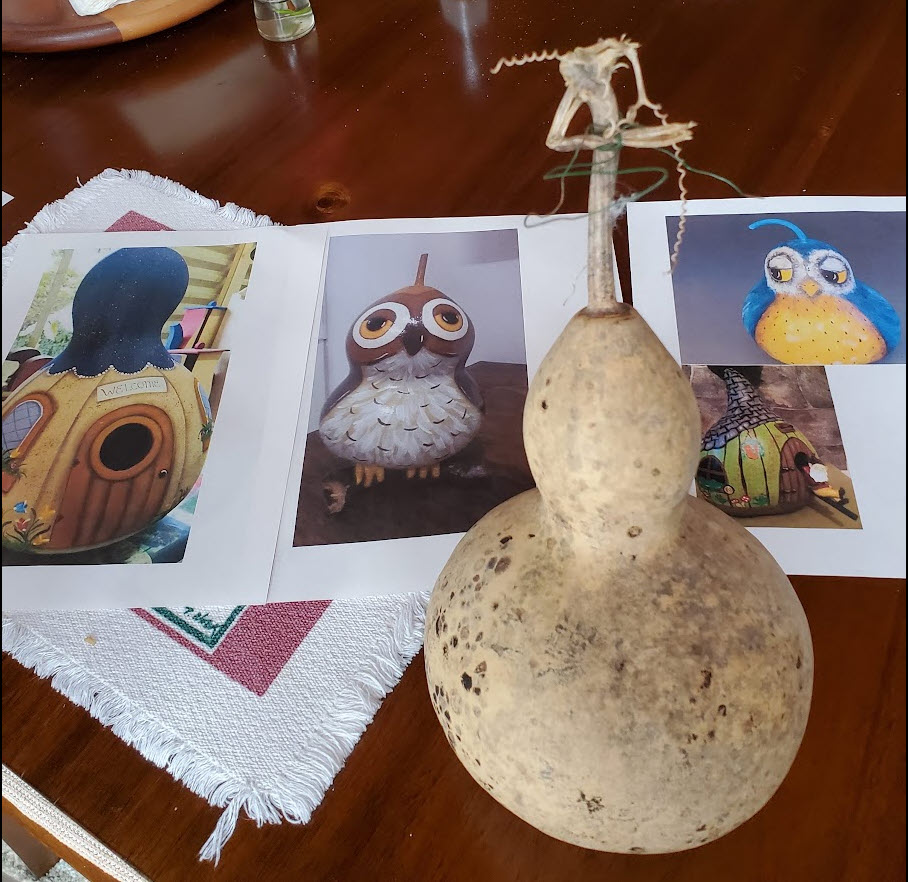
pixel 253 708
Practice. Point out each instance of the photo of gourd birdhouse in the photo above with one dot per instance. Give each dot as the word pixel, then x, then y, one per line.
pixel 809 307
pixel 111 434
pixel 753 462
pixel 409 403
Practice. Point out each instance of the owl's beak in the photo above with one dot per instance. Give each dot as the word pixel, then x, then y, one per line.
pixel 809 287
pixel 412 338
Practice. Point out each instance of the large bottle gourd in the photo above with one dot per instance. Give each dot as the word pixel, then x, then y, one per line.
pixel 615 661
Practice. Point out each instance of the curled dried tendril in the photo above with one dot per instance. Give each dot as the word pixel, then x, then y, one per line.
pixel 627 125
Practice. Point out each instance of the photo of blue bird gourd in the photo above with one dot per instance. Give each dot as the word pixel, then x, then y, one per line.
pixel 810 308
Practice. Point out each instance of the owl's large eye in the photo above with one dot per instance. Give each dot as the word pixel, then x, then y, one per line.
pixel 780 268
pixel 834 270
pixel 445 319
pixel 380 324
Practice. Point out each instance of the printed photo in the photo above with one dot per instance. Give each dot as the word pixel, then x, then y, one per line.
pixel 771 452
pixel 799 288
pixel 110 396
pixel 420 381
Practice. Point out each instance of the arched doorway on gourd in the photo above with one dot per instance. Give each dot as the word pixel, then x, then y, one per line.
pixel 111 435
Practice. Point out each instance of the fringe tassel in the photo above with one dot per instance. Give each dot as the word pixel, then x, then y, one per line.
pixel 302 786
pixel 53 215
pixel 56 214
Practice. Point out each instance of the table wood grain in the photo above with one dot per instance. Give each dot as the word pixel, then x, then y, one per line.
pixel 387 110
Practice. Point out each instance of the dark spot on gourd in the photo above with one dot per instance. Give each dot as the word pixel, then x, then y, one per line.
pixel 701 828
pixel 494 606
pixel 476 690
pixel 479 637
pixel 467 681
pixel 711 734
pixel 655 473
pixel 548 381
pixel 636 849
pixel 531 535
pixel 798 663
pixel 481 668
pixel 454 641
pixel 476 577
pixel 634 531
pixel 452 596
pixel 505 539
pixel 545 405
pixel 502 565
pixel 692 737
pixel 722 710
pixel 692 700
pixel 491 564
pixel 478 763
pixel 620 665
pixel 438 626
pixel 444 649
pixel 448 716
pixel 707 679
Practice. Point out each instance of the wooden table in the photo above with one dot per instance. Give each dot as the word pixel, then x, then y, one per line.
pixel 388 110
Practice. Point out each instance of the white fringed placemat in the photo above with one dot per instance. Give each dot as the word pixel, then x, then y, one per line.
pixel 280 694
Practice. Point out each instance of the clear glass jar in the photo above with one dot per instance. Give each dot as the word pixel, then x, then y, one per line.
pixel 283 20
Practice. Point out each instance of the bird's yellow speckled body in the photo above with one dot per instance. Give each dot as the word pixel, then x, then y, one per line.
pixel 819 330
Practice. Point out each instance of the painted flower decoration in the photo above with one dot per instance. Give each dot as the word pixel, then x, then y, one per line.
pixel 40 540
pixel 47 514
pixel 21 524
pixel 20 507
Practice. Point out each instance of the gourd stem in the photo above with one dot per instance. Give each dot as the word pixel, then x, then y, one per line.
pixel 601 267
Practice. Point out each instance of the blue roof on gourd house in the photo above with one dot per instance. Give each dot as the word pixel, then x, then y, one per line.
pixel 119 308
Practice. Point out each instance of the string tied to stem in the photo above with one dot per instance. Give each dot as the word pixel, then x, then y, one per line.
pixel 587 72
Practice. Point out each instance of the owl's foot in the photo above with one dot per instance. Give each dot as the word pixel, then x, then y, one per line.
pixel 367 474
pixel 424 472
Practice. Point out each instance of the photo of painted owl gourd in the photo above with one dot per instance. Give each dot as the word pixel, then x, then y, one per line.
pixel 111 434
pixel 809 307
pixel 409 403
pixel 753 462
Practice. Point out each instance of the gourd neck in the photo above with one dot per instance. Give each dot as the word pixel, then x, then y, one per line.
pixel 601 294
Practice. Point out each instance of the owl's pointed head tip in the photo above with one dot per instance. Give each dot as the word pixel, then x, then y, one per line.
pixel 421 271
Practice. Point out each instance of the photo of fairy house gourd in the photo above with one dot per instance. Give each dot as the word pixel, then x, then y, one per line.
pixel 110 395
pixel 771 451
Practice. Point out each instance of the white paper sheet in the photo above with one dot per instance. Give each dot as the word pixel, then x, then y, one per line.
pixel 553 282
pixel 869 400
pixel 231 542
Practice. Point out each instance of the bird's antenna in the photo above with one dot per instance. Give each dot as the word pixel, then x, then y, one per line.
pixel 765 222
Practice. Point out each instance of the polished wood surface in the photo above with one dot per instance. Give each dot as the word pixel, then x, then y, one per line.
pixel 387 110
pixel 54 26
